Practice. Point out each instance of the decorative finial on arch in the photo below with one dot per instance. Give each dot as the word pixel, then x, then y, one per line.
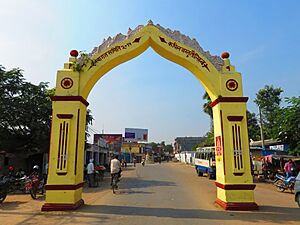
pixel 227 66
pixel 150 22
pixel 225 55
pixel 74 53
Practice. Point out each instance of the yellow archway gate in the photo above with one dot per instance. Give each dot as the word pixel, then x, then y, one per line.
pixel 235 188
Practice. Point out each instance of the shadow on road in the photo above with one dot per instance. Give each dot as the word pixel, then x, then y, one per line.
pixel 266 213
pixel 11 205
pixel 130 182
pixel 130 192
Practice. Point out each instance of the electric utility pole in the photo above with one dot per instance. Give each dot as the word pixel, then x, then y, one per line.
pixel 261 130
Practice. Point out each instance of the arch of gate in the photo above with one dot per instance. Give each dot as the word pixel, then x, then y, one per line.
pixel 235 188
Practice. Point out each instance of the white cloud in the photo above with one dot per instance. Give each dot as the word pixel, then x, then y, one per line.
pixel 252 54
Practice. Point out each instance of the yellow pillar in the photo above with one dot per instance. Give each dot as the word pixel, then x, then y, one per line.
pixel 65 177
pixel 66 155
pixel 235 188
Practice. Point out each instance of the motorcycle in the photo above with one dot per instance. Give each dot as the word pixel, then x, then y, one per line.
pixel 283 183
pixel 35 186
pixel 10 184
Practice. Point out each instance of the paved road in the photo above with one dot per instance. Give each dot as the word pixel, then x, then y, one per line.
pixel 167 193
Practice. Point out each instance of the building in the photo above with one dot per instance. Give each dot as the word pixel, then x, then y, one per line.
pixel 114 141
pixel 131 150
pixel 99 151
pixel 24 160
pixel 186 143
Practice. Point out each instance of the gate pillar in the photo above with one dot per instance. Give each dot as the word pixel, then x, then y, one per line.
pixel 235 188
pixel 66 154
pixel 65 176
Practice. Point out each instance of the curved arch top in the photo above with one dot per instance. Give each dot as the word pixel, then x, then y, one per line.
pixel 172 45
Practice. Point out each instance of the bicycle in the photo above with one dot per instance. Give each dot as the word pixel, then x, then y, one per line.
pixel 115 180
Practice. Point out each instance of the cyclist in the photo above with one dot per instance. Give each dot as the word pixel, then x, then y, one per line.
pixel 115 168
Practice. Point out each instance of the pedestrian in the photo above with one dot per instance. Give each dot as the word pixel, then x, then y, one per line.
pixel 90 173
pixel 288 167
pixel 123 163
pixel 143 161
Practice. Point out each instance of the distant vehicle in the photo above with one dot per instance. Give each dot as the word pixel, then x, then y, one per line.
pixel 205 161
pixel 297 189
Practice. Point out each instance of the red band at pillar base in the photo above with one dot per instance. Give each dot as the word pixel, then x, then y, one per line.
pixel 62 207
pixel 237 206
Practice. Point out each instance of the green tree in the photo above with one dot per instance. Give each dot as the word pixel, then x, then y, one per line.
pixel 168 148
pixel 268 100
pixel 89 121
pixel 253 127
pixel 288 124
pixel 25 114
pixel 25 111
pixel 207 109
pixel 154 146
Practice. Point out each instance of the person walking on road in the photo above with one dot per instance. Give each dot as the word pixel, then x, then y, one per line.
pixel 90 173
pixel 115 167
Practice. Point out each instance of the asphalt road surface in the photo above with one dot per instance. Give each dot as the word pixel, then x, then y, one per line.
pixel 160 194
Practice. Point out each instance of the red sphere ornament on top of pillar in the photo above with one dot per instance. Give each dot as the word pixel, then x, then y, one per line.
pixel 74 53
pixel 225 55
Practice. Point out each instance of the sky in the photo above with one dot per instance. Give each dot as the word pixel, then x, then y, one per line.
pixel 263 38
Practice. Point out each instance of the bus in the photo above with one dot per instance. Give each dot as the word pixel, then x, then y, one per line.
pixel 205 162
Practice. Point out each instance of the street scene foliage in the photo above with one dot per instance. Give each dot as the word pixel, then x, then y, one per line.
pixel 279 123
pixel 25 111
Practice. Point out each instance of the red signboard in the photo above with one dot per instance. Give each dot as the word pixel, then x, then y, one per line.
pixel 112 138
pixel 109 138
pixel 219 149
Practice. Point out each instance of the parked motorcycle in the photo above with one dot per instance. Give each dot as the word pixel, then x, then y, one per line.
pixel 10 184
pixel 283 184
pixel 35 186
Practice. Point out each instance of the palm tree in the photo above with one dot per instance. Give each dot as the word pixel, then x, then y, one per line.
pixel 207 109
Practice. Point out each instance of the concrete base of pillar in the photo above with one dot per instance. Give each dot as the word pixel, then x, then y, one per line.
pixel 237 206
pixel 62 207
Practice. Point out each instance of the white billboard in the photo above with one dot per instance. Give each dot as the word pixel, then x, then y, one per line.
pixel 136 134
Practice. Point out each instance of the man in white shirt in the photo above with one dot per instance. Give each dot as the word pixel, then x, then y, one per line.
pixel 115 167
pixel 90 173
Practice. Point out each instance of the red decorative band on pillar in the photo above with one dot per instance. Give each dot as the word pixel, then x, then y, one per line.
pixel 70 98
pixel 228 99
pixel 235 118
pixel 62 207
pixel 237 206
pixel 64 116
pixel 64 186
pixel 235 186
